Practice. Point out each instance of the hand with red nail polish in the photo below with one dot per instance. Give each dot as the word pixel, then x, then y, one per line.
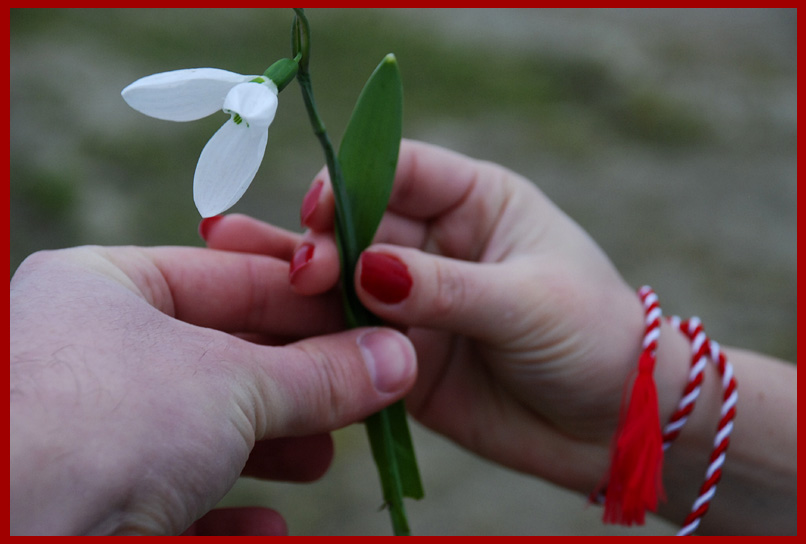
pixel 384 277
pixel 302 256
pixel 525 331
pixel 206 225
pixel 490 278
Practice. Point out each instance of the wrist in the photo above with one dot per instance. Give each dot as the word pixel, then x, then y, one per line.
pixel 692 433
pixel 636 474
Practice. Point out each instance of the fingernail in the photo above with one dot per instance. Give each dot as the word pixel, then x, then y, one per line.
pixel 385 277
pixel 310 201
pixel 302 256
pixel 389 358
pixel 206 224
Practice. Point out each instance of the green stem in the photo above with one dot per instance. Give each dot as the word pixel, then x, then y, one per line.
pixel 346 235
pixel 380 426
pixel 302 48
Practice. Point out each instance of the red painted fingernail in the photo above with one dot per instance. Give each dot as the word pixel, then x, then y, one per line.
pixel 206 224
pixel 385 277
pixel 310 201
pixel 302 256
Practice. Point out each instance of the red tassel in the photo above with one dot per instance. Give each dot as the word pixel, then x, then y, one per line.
pixel 635 485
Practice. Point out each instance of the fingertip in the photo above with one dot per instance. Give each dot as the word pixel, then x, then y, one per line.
pixel 318 206
pixel 314 267
pixel 301 259
pixel 384 276
pixel 311 201
pixel 206 226
pixel 390 359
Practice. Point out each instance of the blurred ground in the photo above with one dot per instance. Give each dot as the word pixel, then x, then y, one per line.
pixel 670 135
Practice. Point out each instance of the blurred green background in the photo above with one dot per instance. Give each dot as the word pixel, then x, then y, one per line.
pixel 670 135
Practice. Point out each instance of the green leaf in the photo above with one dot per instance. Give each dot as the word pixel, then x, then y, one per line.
pixel 364 174
pixel 392 423
pixel 368 153
pixel 362 177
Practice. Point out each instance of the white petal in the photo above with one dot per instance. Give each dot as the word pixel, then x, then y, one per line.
pixel 182 95
pixel 255 103
pixel 227 165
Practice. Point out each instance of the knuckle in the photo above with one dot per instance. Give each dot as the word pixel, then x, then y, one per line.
pixel 325 396
pixel 451 291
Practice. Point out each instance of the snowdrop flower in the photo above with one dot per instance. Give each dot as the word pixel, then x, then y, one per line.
pixel 230 160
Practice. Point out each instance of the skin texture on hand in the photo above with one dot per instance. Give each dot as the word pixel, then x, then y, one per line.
pixel 136 402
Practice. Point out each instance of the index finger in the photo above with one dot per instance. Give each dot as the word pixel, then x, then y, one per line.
pixel 231 292
pixel 432 180
pixel 459 202
pixel 429 180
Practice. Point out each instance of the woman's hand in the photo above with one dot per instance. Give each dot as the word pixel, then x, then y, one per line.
pixel 525 331
pixel 526 336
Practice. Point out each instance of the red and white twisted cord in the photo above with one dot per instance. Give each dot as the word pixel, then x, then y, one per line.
pixel 695 378
pixel 705 348
pixel 652 318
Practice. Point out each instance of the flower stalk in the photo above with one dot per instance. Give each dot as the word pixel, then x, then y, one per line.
pixel 361 173
pixel 387 430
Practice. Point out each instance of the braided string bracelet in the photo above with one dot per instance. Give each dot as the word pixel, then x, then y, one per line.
pixel 695 378
pixel 635 484
pixel 703 347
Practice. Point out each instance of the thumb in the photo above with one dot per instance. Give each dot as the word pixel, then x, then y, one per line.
pixel 327 382
pixel 410 287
